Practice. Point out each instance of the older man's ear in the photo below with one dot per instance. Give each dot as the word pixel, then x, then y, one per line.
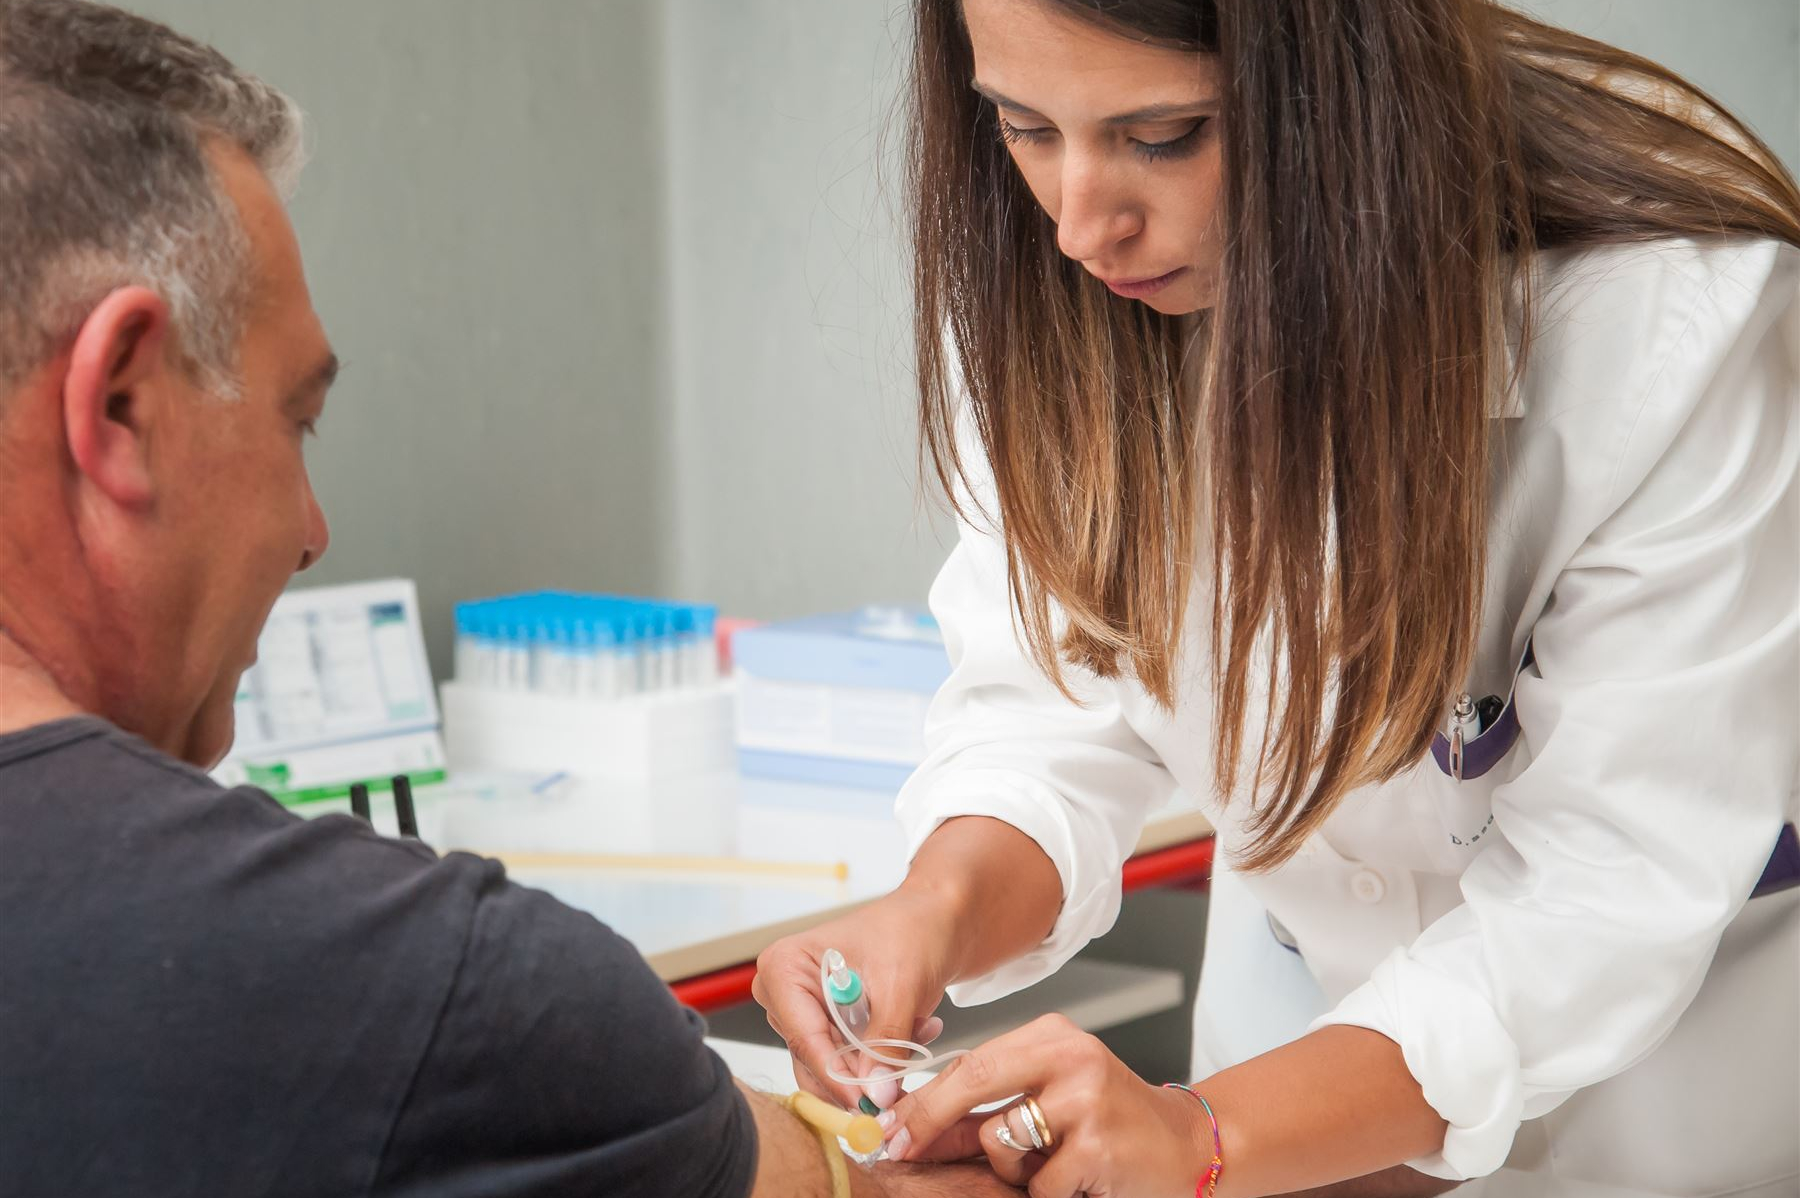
pixel 118 375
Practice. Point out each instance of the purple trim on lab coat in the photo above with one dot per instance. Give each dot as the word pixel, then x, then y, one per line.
pixel 1484 752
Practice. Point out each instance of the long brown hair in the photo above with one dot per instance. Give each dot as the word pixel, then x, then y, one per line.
pixel 1315 448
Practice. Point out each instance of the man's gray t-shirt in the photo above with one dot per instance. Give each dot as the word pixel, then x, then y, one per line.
pixel 201 993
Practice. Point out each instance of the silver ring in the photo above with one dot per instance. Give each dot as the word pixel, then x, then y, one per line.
pixel 1003 1133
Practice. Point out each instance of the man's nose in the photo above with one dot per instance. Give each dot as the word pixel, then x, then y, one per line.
pixel 318 535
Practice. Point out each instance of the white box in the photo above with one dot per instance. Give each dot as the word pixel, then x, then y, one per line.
pixel 636 737
pixel 857 723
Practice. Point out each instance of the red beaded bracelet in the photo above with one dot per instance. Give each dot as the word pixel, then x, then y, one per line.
pixel 1208 1185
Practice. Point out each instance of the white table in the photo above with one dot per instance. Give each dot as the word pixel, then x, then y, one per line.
pixel 689 923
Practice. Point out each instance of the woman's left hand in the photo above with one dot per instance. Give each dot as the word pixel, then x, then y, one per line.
pixel 1113 1135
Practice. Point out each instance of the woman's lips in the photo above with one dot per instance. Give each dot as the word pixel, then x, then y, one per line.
pixel 1143 288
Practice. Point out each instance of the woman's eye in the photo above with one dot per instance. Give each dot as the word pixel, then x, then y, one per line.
pixel 1012 134
pixel 1175 147
pixel 1179 146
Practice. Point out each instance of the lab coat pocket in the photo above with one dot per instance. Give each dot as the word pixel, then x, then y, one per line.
pixel 1482 731
pixel 1459 777
pixel 1458 817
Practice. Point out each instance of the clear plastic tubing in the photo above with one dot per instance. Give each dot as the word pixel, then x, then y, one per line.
pixel 837 981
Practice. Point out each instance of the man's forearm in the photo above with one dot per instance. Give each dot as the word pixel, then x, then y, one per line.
pixel 789 1160
pixel 961 1180
pixel 791 1163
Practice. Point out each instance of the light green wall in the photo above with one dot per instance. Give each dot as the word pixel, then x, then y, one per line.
pixel 791 385
pixel 620 286
pixel 480 227
pixel 791 379
pixel 1745 52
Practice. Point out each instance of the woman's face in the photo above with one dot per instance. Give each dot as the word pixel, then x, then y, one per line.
pixel 1117 140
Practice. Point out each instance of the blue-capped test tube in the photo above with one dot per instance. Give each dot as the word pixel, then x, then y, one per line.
pixel 608 669
pixel 543 669
pixel 703 652
pixel 487 641
pixel 589 645
pixel 662 650
pixel 518 655
pixel 662 639
pixel 584 651
pixel 559 659
pixel 629 654
pixel 499 651
pixel 681 621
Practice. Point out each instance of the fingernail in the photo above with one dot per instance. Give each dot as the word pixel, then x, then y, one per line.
pixel 885 1094
pixel 866 1107
pixel 885 1121
pixel 899 1144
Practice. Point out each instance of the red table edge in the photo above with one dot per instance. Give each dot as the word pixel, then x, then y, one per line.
pixel 1188 864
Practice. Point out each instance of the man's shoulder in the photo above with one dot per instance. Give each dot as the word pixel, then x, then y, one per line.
pixel 200 952
pixel 95 801
pixel 154 865
pixel 82 768
pixel 200 955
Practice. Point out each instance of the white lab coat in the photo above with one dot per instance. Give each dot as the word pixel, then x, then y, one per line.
pixel 1581 989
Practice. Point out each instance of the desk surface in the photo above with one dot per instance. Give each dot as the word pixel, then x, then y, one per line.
pixel 689 923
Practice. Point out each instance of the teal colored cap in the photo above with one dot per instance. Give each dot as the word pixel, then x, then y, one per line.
pixel 844 995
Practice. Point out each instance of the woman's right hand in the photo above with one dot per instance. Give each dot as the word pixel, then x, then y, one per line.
pixel 979 893
pixel 901 945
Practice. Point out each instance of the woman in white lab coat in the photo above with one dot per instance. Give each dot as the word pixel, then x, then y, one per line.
pixel 1377 420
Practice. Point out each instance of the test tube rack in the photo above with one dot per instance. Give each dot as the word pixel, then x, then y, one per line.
pixel 604 686
pixel 633 737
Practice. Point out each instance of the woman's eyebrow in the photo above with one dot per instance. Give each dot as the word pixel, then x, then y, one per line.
pixel 1003 101
pixel 1148 113
pixel 1164 112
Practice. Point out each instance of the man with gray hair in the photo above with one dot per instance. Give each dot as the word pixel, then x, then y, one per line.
pixel 199 992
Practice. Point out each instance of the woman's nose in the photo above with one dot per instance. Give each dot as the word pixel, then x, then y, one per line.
pixel 1095 216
